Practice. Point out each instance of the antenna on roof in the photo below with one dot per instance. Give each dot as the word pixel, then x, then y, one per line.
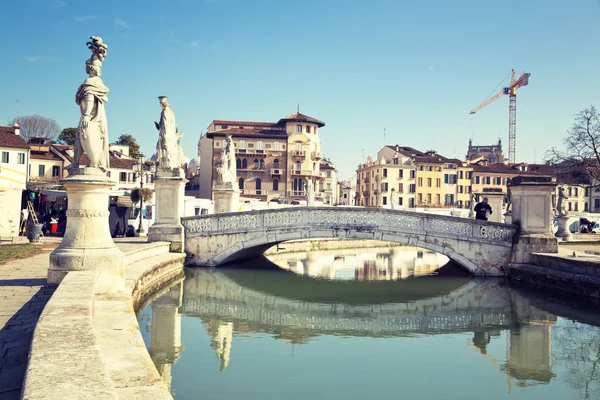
pixel 384 136
pixel 363 157
pixel 534 156
pixel 17 111
pixel 298 108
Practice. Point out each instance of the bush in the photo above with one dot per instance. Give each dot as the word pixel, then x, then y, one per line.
pixel 145 193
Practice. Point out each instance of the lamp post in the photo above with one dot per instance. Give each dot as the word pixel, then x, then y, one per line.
pixel 140 171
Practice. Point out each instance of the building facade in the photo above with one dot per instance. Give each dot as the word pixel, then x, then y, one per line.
pixel 14 152
pixel 274 160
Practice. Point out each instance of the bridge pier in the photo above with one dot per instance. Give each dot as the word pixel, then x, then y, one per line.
pixel 532 212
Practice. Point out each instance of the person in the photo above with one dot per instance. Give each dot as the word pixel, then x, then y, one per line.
pixel 483 210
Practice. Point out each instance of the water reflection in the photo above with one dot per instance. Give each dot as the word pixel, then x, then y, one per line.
pixel 374 263
pixel 515 337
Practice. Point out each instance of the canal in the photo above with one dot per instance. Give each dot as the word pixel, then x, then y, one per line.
pixel 355 323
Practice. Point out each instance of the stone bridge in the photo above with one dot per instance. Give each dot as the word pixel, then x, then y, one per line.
pixel 482 247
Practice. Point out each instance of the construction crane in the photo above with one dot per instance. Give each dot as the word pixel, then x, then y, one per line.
pixel 510 90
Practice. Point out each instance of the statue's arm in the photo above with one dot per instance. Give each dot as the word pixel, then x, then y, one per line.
pixel 157 125
pixel 87 105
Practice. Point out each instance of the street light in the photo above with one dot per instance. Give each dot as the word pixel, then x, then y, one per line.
pixel 140 170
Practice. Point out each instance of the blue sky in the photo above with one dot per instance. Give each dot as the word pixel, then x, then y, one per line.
pixel 413 67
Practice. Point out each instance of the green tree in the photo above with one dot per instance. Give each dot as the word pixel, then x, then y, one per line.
pixel 67 136
pixel 129 141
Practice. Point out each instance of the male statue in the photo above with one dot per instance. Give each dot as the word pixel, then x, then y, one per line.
pixel 560 202
pixel 167 152
pixel 92 131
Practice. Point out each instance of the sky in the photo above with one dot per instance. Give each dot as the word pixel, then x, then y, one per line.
pixel 411 68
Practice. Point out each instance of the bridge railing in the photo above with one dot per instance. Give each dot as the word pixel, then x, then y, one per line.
pixel 407 222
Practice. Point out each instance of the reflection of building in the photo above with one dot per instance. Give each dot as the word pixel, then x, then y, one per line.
pixel 222 343
pixel 165 339
pixel 529 355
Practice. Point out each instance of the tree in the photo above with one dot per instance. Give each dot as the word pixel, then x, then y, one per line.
pixel 37 126
pixel 145 193
pixel 67 136
pixel 128 140
pixel 582 142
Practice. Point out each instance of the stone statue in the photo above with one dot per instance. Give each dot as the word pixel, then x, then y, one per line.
pixel 393 199
pixel 226 169
pixel 92 131
pixel 560 207
pixel 167 151
pixel 310 192
pixel 472 204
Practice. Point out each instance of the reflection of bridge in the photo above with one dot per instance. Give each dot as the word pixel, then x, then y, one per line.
pixel 474 306
pixel 480 246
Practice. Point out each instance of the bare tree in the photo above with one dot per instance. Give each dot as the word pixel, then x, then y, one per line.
pixel 582 144
pixel 37 126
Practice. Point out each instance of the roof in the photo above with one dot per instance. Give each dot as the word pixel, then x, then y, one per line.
pixel 244 123
pixel 9 139
pixel 326 167
pixel 254 133
pixel 406 151
pixel 44 155
pixel 297 117
pixel 115 162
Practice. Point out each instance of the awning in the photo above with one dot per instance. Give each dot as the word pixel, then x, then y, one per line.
pixel 54 193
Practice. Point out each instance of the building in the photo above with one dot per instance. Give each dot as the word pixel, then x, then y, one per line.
pixel 45 166
pixel 328 188
pixel 274 160
pixel 489 154
pixel 346 194
pixel 14 152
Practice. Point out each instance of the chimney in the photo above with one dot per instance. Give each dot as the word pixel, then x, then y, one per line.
pixel 17 129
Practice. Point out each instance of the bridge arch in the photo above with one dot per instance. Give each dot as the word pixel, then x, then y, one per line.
pixel 479 246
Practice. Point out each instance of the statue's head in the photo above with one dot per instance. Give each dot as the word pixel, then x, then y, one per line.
pixel 93 67
pixel 164 101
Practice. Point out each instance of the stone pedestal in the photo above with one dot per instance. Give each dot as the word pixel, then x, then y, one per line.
pixel 87 244
pixel 495 200
pixel 169 192
pixel 532 210
pixel 226 199
pixel 563 228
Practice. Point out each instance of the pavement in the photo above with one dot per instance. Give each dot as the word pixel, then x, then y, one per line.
pixel 24 293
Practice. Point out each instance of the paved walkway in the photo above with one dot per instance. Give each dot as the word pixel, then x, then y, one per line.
pixel 23 296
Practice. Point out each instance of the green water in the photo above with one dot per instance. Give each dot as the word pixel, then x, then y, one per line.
pixel 262 334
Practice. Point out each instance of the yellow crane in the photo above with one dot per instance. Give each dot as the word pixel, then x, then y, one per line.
pixel 511 91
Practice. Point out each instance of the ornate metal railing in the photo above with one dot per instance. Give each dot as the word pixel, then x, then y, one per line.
pixel 400 221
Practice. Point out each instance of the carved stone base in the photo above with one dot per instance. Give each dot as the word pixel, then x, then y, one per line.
pixel 533 243
pixel 226 200
pixel 169 189
pixel 87 244
pixel 563 228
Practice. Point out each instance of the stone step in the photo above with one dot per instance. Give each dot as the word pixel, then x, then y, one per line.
pixel 138 273
pixel 560 262
pixel 144 251
pixel 554 279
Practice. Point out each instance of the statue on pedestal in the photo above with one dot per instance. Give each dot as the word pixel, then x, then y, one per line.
pixel 226 169
pixel 560 207
pixel 310 192
pixel 167 149
pixel 393 199
pixel 92 131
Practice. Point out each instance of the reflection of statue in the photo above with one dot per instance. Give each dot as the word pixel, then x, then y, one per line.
pixel 92 132
pixel 226 168
pixel 560 207
pixel 393 199
pixel 310 192
pixel 167 152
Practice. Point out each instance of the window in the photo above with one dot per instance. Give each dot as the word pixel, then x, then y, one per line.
pixel 384 187
pixel 224 127
pixel 487 180
pixel 107 173
pixel 268 146
pixel 385 172
pixel 497 180
pixel 123 177
pixel 55 170
pixel 428 182
pixel 298 165
pixel 41 170
pixel 460 174
pixel 446 180
pixel 401 174
pixel 275 185
pixel 238 163
pixel 307 129
pixel 576 192
pixel 412 188
pixel 395 161
pixel 420 168
pixel 241 184
pixel 21 159
pixel 255 164
pixel 420 198
pixel 242 144
pixel 261 164
pixel 570 206
pixel 460 188
pixel 437 199
pixel 438 182
pixel 298 128
pixel 244 164
pixel 576 207
pixel 5 157
pixel 329 186
pixel 329 174
pixel 276 146
pixel 449 199
pixel 412 174
pixel 384 200
pixel 276 163
pixel 250 145
pixel 400 188
pixel 476 180
pixel 258 184
pixel 298 146
pixel 420 182
pixel 428 198
pixel 260 145
pixel 469 174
